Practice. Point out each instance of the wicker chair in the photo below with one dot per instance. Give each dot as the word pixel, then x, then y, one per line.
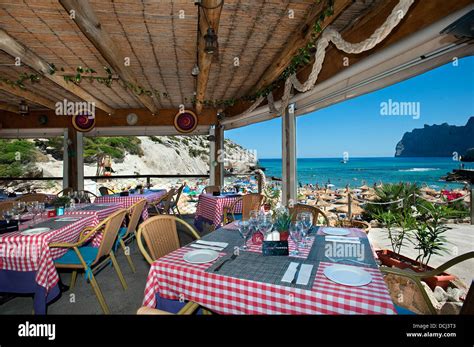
pixel 352 223
pixel 65 192
pixel 92 259
pixel 416 277
pixel 211 189
pixel 87 195
pixel 126 234
pixel 250 202
pixel 33 197
pixel 160 236
pixel 316 212
pixel 105 191
pixel 5 205
pixel 163 204
pixel 188 309
pixel 174 202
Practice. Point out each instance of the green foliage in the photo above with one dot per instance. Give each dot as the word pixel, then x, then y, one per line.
pixel 281 219
pixel 157 139
pixel 194 153
pixel 116 147
pixel 16 157
pixel 393 192
pixel 272 196
pixel 61 201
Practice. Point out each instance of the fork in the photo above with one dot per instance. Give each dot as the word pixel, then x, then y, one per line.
pixel 225 261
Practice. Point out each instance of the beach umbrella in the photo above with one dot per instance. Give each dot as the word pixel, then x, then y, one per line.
pixel 364 187
pixel 326 197
pixel 342 201
pixel 345 209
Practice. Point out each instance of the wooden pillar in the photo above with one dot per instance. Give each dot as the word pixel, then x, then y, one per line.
pixel 289 179
pixel 72 159
pixel 65 159
pixel 80 160
pixel 472 203
pixel 216 157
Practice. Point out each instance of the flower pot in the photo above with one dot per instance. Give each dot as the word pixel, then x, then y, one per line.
pixel 284 235
pixel 389 258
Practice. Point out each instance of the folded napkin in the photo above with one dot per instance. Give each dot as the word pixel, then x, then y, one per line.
pixel 342 239
pixel 195 245
pixel 67 219
pixel 303 276
pixel 213 243
pixel 290 273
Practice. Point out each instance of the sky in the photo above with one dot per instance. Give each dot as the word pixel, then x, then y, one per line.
pixel 356 126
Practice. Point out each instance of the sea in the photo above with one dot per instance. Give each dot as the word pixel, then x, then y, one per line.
pixel 358 171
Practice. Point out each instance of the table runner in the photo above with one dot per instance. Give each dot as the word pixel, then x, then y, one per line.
pixel 172 278
pixel 210 209
pixel 252 266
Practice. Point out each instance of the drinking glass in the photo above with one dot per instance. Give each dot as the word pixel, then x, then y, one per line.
pixel 19 208
pixel 265 224
pixel 8 215
pixel 306 220
pixel 30 207
pixel 296 235
pixel 253 217
pixel 244 231
pixel 41 207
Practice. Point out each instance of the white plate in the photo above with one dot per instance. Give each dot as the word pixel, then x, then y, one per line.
pixel 35 231
pixel 336 231
pixel 200 256
pixel 67 219
pixel 348 275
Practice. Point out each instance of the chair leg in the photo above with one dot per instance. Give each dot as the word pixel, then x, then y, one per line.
pixel 118 271
pixel 73 279
pixel 129 258
pixel 179 213
pixel 99 295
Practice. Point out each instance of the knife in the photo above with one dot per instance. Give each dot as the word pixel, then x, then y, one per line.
pixel 297 272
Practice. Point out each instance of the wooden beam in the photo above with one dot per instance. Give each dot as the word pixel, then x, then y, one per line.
pixel 28 57
pixel 27 95
pixel 300 39
pixel 421 15
pixel 8 107
pixel 88 23
pixel 209 18
pixel 119 119
pixel 289 177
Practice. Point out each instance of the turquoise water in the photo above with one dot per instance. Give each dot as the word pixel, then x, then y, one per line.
pixel 358 171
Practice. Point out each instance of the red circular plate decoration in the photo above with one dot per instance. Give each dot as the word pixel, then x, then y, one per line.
pixel 185 121
pixel 83 122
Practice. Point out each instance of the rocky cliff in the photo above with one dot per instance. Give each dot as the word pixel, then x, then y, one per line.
pixel 437 140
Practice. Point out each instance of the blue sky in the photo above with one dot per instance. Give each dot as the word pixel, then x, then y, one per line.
pixel 445 94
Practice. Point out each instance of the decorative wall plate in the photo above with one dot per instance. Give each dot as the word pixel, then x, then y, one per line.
pixel 83 122
pixel 185 121
pixel 132 119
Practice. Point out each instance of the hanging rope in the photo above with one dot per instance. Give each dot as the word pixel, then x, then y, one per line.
pixel 331 35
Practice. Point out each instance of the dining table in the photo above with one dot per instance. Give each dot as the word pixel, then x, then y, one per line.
pixel 248 282
pixel 128 200
pixel 27 261
pixel 101 211
pixel 210 208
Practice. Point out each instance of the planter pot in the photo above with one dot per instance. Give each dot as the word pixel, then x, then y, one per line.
pixel 284 235
pixel 389 258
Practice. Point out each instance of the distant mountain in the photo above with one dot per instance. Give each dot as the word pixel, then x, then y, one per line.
pixel 437 140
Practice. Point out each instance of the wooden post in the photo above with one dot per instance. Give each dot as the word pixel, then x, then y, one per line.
pixel 217 178
pixel 65 159
pixel 349 207
pixel 472 204
pixel 289 178
pixel 72 159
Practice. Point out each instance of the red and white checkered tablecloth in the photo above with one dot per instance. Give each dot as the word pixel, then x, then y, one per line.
pixel 101 215
pixel 128 201
pixel 32 253
pixel 211 207
pixel 172 278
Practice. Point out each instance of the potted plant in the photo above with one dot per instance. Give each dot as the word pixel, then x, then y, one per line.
pixel 60 203
pixel 272 198
pixel 281 222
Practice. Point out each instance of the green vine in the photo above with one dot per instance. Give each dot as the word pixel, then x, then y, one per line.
pixel 302 58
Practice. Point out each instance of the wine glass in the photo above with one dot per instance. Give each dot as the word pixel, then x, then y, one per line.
pixel 40 208
pixel 8 215
pixel 306 220
pixel 30 207
pixel 253 217
pixel 244 231
pixel 295 234
pixel 265 224
pixel 19 208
